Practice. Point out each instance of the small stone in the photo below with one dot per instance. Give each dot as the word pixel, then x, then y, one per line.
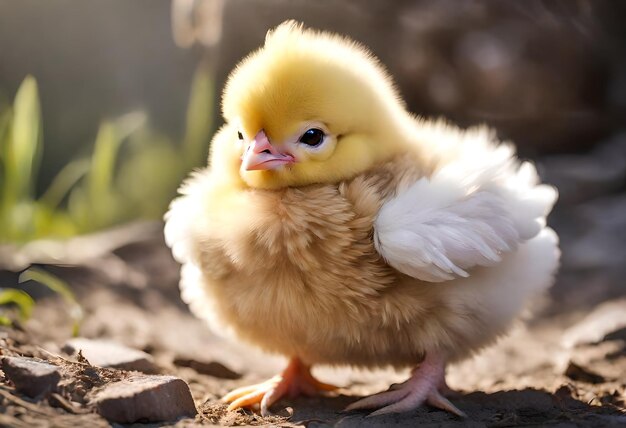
pixel 145 398
pixel 106 353
pixel 586 176
pixel 30 376
pixel 583 374
pixel 604 322
pixel 210 368
pixel 617 334
pixel 56 400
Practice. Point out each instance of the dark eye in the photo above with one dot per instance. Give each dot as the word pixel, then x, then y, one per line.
pixel 240 135
pixel 312 137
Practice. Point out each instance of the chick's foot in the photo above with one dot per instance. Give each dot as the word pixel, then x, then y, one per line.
pixel 295 380
pixel 426 385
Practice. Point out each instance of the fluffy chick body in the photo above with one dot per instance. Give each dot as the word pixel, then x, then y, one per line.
pixel 324 261
pixel 296 272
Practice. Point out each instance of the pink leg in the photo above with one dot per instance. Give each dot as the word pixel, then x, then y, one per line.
pixel 426 385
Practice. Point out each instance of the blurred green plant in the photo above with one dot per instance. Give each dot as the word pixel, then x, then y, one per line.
pixel 20 299
pixel 132 173
pixel 24 303
pixel 60 287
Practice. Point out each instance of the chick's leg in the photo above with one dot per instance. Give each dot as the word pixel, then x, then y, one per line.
pixel 296 379
pixel 426 385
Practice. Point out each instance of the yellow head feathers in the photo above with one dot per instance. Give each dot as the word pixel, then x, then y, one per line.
pixel 303 80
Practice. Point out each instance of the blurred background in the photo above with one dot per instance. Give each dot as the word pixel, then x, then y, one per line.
pixel 105 106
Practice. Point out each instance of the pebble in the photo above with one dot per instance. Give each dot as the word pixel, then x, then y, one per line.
pixel 605 320
pixel 210 368
pixel 31 377
pixel 106 353
pixel 581 177
pixel 145 398
pixel 583 374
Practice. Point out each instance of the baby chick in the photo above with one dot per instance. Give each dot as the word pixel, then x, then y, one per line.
pixel 334 227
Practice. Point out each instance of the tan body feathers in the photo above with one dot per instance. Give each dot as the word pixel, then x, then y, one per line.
pixel 302 263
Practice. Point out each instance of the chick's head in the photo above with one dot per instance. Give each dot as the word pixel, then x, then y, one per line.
pixel 309 107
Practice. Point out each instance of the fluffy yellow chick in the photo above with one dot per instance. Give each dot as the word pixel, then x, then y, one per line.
pixel 334 227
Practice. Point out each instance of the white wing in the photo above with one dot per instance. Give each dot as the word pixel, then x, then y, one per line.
pixel 468 213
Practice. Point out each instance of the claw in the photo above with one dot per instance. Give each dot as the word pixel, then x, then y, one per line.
pixel 272 396
pixel 377 400
pixel 409 402
pixel 426 385
pixel 437 400
pixel 247 400
pixel 245 390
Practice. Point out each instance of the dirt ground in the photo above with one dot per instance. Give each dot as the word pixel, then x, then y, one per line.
pixel 565 368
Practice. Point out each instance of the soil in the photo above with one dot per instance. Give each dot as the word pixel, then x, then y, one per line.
pixel 565 368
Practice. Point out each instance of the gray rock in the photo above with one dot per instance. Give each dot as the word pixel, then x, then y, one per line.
pixel 106 353
pixel 30 376
pixel 582 177
pixel 210 368
pixel 600 240
pixel 145 398
pixel 600 324
pixel 584 374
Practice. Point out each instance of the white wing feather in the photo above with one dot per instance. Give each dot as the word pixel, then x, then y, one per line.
pixel 468 213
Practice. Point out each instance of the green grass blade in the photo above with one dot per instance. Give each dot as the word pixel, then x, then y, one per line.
pixel 103 159
pixel 60 287
pixel 5 121
pixel 64 181
pixel 199 120
pixel 24 302
pixel 109 139
pixel 23 148
pixel 145 184
pixel 98 203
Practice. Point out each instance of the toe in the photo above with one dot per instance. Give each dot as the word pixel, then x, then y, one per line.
pixel 249 395
pixel 377 400
pixel 409 402
pixel 240 392
pixel 248 400
pixel 422 387
pixel 435 399
pixel 296 379
pixel 272 396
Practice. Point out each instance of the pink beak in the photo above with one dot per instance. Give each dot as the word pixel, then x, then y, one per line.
pixel 260 154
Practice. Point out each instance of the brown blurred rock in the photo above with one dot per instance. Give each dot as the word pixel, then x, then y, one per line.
pixel 146 399
pixel 582 177
pixel 30 376
pixel 583 374
pixel 600 236
pixel 599 325
pixel 210 368
pixel 106 353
